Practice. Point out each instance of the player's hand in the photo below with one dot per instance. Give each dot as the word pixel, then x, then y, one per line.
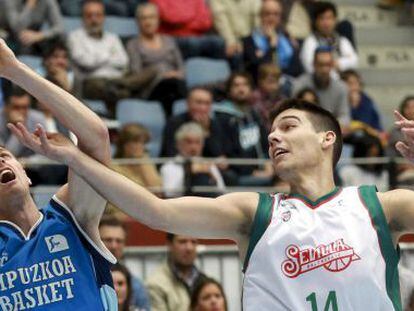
pixel 52 145
pixel 7 59
pixel 406 147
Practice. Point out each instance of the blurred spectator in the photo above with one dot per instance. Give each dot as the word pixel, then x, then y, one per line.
pixel 113 235
pixel 199 104
pixel 324 34
pixel 122 284
pixel 363 107
pixel 56 66
pixel 245 131
pixel 4 25
pixel 268 93
pixel 269 43
pixel 208 295
pixel 235 19
pixel 309 95
pixel 102 59
pixel 366 146
pixel 17 109
pixel 189 171
pixel 153 50
pixel 190 22
pixel 112 7
pixel 171 285
pixel 26 19
pixel 332 93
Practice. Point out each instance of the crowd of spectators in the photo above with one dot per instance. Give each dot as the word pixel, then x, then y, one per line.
pixel 276 49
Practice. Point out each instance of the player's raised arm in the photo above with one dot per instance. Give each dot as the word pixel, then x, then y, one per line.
pixel 229 216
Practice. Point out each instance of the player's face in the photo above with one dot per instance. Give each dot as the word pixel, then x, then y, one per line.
pixel 121 286
pixel 114 239
pixel 210 299
pixel 294 144
pixel 13 178
pixel 183 250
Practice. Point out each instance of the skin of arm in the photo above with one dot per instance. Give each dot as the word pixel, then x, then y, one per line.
pixel 92 134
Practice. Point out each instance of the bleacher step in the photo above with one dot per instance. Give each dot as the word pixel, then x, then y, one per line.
pixel 385 35
pixel 387 77
pixel 367 16
pixel 386 57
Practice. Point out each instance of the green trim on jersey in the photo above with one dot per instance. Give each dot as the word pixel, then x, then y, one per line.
pixel 391 255
pixel 324 198
pixel 260 224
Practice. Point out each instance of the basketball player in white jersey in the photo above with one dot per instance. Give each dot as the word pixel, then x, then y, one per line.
pixel 319 248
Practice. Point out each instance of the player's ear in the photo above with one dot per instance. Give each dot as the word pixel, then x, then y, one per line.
pixel 328 139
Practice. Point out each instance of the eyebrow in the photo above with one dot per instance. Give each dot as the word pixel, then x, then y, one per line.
pixel 284 118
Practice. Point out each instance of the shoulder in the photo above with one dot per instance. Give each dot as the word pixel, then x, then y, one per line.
pixel 77 33
pixel 161 276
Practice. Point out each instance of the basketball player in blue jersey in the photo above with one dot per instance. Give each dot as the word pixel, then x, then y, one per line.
pixel 318 248
pixel 53 258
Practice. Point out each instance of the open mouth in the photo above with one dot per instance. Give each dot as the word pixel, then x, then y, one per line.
pixel 7 176
pixel 280 152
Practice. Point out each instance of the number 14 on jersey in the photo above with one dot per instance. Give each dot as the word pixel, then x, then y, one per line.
pixel 331 303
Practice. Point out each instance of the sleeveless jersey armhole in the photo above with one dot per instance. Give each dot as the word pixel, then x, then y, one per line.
pixel 261 222
pixel 368 196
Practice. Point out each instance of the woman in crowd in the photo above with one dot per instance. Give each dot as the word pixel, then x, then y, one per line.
pixel 151 49
pixel 208 295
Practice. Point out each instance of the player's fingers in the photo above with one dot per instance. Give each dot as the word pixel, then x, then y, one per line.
pixel 43 136
pixel 404 149
pixel 15 131
pixel 28 138
pixel 398 116
pixel 404 124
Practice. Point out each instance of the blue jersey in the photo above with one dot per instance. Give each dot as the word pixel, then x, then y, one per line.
pixel 55 267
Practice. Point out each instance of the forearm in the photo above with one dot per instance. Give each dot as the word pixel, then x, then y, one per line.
pixel 74 115
pixel 120 191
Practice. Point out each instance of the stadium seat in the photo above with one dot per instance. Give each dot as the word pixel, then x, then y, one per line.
pixel 124 27
pixel 179 106
pixel 71 23
pixel 34 62
pixel 147 113
pixel 202 71
pixel 97 106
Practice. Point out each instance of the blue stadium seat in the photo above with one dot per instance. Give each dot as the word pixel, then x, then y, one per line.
pixel 124 27
pixel 96 105
pixel 201 71
pixel 71 23
pixel 179 106
pixel 147 113
pixel 34 62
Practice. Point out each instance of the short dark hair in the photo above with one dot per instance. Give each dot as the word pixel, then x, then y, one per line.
pixel 345 75
pixel 321 119
pixel 170 236
pixel 198 287
pixel 54 46
pixel 86 2
pixel 302 92
pixel 319 8
pixel 236 75
pixel 16 91
pixel 112 221
pixel 404 103
pixel 322 49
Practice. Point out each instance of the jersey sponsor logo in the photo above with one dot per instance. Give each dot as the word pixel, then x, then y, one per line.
pixel 334 257
pixel 286 216
pixel 56 243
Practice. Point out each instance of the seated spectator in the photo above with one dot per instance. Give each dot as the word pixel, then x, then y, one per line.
pixel 153 50
pixel 122 285
pixel 190 22
pixel 199 104
pixel 235 19
pixel 171 285
pixel 363 107
pixel 333 94
pixel 208 295
pixel 245 130
pixel 309 95
pixel 187 170
pixel 102 60
pixel 26 20
pixel 269 43
pixel 366 146
pixel 268 93
pixel 17 109
pixel 56 66
pixel 324 34
pixel 113 235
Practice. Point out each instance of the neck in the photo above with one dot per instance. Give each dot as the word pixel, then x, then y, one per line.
pixel 22 211
pixel 184 271
pixel 242 106
pixel 149 36
pixel 313 185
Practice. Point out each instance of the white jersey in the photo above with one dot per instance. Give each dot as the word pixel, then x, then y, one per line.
pixel 333 254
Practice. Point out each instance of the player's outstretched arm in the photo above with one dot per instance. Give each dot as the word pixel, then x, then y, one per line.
pixel 91 132
pixel 229 216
